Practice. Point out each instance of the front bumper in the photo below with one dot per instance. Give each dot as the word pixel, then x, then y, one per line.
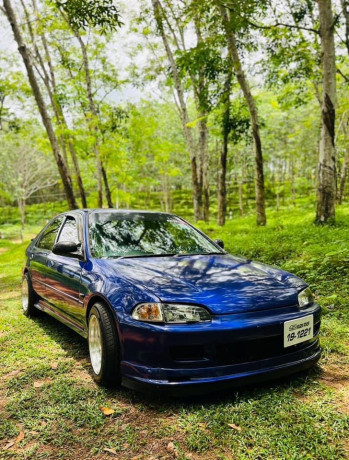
pixel 231 350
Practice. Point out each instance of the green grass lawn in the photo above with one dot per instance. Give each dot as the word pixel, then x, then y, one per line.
pixel 47 393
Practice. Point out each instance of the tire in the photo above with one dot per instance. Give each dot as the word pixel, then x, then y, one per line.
pixel 29 297
pixel 104 346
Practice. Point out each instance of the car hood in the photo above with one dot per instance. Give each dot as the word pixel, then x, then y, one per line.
pixel 223 283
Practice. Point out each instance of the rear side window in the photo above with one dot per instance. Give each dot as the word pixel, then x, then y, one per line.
pixel 69 231
pixel 49 236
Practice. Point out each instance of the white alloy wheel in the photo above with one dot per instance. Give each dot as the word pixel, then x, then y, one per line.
pixel 95 343
pixel 25 295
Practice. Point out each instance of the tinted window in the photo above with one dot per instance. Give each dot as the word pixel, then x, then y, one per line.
pixel 69 231
pixel 138 234
pixel 48 239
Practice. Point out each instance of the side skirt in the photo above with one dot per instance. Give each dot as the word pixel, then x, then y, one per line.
pixel 47 308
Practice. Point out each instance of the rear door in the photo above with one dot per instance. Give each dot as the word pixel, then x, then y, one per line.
pixel 63 274
pixel 39 254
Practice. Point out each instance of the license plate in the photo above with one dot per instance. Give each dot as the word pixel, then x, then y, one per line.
pixel 298 330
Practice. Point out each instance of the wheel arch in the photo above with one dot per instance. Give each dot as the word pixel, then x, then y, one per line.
pixel 98 297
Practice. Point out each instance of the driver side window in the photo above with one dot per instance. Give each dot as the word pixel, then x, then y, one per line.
pixel 69 231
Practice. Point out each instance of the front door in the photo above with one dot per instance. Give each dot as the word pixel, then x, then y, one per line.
pixel 63 277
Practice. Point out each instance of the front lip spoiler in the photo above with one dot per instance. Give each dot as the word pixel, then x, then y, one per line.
pixel 212 384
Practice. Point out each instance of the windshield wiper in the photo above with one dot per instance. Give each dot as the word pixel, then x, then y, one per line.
pixel 144 255
pixel 178 254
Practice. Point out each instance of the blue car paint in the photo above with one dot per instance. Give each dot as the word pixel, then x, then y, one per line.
pixel 249 303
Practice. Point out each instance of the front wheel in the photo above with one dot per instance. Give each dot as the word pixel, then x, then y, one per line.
pixel 28 297
pixel 103 343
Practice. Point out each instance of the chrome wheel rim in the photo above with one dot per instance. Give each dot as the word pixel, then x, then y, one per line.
pixel 25 295
pixel 95 344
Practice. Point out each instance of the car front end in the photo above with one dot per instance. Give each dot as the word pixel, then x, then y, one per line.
pixel 229 349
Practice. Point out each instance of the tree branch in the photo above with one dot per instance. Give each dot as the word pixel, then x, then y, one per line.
pixel 342 75
pixel 276 24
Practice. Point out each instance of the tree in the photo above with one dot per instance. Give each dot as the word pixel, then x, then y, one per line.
pixel 227 20
pixel 48 76
pixel 22 48
pixel 79 15
pixel 24 171
pixel 183 110
pixel 327 176
pixel 222 188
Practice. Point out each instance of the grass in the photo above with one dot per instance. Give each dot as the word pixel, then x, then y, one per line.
pixel 47 393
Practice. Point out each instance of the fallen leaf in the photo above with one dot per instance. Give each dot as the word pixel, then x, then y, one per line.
pixel 8 445
pixel 43 423
pixel 54 365
pixel 234 427
pixel 327 377
pixel 40 383
pixel 111 451
pixel 107 410
pixel 171 448
pixel 20 437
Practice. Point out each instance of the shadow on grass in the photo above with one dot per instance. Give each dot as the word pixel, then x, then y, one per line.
pixel 295 382
pixel 72 343
pixel 76 347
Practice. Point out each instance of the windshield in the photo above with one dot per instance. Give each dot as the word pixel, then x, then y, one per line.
pixel 118 234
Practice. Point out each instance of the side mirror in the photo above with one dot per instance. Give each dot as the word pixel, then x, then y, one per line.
pixel 67 248
pixel 220 243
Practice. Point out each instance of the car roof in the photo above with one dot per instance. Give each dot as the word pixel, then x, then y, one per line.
pixel 116 211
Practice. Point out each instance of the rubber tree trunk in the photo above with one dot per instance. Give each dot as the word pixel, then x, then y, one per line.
pixel 62 167
pixel 93 118
pixel 222 186
pixel 244 85
pixel 21 205
pixel 222 174
pixel 343 177
pixel 345 11
pixel 327 183
pixel 293 185
pixel 241 196
pixel 106 187
pixel 62 120
pixel 52 92
pixel 196 183
pixel 204 163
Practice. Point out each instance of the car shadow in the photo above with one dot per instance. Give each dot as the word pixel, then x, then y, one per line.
pixel 228 395
pixel 72 343
pixel 76 347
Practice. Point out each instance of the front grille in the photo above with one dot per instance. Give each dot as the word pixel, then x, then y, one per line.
pixel 237 352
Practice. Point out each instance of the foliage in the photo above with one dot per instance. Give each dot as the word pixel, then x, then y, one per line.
pixel 95 13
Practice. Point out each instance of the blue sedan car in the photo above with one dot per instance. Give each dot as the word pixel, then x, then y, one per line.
pixel 162 305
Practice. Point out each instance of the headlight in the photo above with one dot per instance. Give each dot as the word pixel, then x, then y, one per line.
pixel 305 297
pixel 170 313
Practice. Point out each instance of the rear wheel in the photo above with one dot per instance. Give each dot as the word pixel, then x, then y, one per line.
pixel 103 343
pixel 28 297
